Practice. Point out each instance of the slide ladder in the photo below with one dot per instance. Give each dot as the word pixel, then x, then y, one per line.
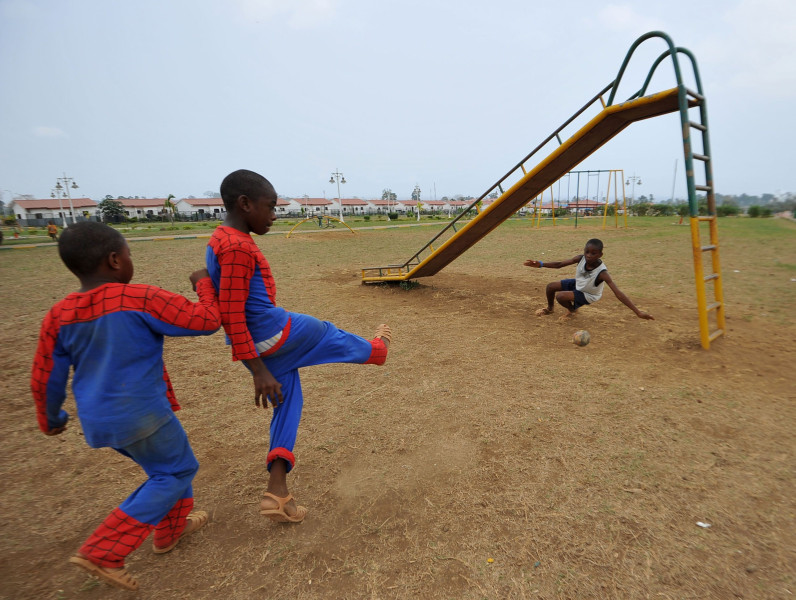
pixel 526 180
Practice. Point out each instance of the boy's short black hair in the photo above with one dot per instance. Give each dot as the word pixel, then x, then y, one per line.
pixel 83 246
pixel 596 243
pixel 243 183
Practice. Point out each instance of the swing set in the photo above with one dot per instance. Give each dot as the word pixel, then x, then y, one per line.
pixel 320 219
pixel 615 175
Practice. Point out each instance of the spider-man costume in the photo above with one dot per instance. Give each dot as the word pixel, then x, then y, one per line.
pixel 112 336
pixel 285 341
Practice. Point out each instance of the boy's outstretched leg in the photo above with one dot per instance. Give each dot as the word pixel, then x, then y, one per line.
pixel 550 292
pixel 381 345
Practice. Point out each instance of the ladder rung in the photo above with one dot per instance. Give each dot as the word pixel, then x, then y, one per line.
pixel 711 247
pixel 701 157
pixel 698 126
pixel 703 188
pixel 715 334
pixel 711 276
pixel 699 97
pixel 713 306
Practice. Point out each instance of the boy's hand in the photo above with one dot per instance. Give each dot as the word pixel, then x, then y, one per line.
pixel 533 263
pixel 266 387
pixel 645 315
pixel 197 275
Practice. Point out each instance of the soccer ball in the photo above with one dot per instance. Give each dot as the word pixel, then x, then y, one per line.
pixel 581 338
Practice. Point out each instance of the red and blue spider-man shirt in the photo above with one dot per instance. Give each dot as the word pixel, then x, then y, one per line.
pixel 113 337
pixel 246 293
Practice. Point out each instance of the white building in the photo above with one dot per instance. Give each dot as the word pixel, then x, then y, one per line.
pixel 37 212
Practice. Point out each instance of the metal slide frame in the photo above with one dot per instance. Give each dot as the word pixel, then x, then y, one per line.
pixel 521 184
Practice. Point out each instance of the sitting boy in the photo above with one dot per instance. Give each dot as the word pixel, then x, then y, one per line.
pixel 272 342
pixel 111 332
pixel 587 287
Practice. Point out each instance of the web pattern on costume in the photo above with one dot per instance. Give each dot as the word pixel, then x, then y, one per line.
pixel 238 256
pixel 378 355
pixel 163 305
pixel 173 524
pixel 117 536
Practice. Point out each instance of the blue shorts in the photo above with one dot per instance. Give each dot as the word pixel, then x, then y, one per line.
pixel 568 285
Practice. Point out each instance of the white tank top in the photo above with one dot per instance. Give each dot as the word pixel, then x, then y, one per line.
pixel 586 281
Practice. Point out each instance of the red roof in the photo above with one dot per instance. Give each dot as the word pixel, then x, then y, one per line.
pixel 584 203
pixel 141 202
pixel 352 202
pixel 53 203
pixel 203 201
pixel 312 201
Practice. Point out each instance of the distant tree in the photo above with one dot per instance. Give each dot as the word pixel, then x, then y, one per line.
pixel 212 194
pixel 728 208
pixel 169 208
pixel 753 211
pixel 111 210
pixel 662 210
pixel 493 195
pixel 391 198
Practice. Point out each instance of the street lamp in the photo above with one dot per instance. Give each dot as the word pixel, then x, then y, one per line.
pixel 416 198
pixel 337 176
pixel 635 180
pixel 65 187
pixel 56 193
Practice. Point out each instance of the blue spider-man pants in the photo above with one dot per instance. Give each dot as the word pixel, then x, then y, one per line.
pixel 309 342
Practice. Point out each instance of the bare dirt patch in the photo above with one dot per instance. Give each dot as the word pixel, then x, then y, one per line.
pixel 582 472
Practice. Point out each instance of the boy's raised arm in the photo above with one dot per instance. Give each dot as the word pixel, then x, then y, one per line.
pixel 175 315
pixel 556 264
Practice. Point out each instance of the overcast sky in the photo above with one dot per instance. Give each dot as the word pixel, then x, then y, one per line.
pixel 158 97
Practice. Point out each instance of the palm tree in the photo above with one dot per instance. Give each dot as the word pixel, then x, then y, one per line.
pixel 169 208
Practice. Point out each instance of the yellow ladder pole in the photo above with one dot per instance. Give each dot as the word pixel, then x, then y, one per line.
pixel 616 201
pixel 624 199
pixel 553 205
pixel 607 194
pixel 699 275
pixel 717 286
pixel 541 202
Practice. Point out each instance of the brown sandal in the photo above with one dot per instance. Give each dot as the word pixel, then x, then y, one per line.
pixel 384 331
pixel 279 514
pixel 119 578
pixel 193 522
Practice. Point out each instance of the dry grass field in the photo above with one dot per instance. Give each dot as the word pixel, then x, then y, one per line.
pixel 489 458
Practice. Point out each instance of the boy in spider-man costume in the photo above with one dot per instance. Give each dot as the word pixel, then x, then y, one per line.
pixel 111 333
pixel 272 342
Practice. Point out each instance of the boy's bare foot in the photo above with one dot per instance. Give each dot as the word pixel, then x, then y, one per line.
pixel 566 316
pixel 282 509
pixel 544 311
pixel 384 332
